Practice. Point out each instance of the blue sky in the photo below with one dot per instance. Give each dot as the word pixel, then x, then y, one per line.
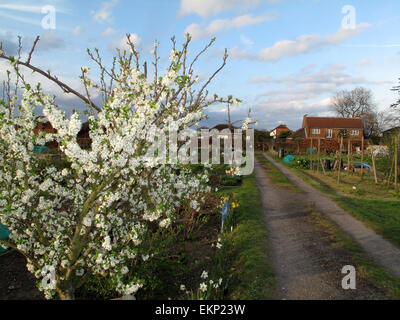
pixel 287 57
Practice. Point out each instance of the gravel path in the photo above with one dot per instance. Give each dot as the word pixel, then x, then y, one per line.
pixel 307 265
pixel 380 250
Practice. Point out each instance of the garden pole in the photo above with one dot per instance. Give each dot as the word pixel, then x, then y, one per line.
pixel 340 158
pixel 391 171
pixel 319 153
pixel 323 167
pixel 374 165
pixel 362 157
pixel 348 155
pixel 396 163
pixel 311 150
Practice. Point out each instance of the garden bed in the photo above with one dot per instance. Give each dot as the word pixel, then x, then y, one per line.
pixel 16 283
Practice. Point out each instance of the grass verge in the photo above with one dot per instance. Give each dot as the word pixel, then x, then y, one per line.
pixel 366 270
pixel 275 175
pixel 252 274
pixel 380 215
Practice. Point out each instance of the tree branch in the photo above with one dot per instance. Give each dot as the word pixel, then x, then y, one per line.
pixel 62 85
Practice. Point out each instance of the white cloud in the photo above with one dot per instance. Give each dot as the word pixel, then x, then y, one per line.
pixel 29 8
pixel 308 91
pixel 206 8
pixel 285 48
pixel 246 41
pixel 20 7
pixel 6 15
pixel 303 44
pixel 123 45
pixel 104 14
pixel 108 32
pixel 363 62
pixel 50 40
pixel 238 53
pixel 221 25
pixel 325 80
pixel 77 31
pixel 261 79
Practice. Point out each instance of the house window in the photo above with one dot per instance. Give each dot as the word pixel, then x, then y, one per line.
pixel 355 132
pixel 329 133
pixel 316 131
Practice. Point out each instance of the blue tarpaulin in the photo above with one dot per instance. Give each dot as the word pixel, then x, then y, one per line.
pixel 4 233
pixel 357 165
pixel 41 150
pixel 288 159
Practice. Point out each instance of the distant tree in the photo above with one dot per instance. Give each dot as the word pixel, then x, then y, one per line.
pixel 285 134
pixel 298 140
pixel 393 116
pixel 373 124
pixel 355 103
pixel 359 103
pixel 261 135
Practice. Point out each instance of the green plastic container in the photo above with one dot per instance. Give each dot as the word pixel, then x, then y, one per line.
pixel 4 233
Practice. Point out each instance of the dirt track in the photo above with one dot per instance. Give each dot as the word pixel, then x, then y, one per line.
pixel 306 263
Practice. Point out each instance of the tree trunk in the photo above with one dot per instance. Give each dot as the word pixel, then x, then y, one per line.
pixel 65 290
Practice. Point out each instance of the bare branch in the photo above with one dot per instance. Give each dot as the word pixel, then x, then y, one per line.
pixel 28 61
pixel 62 85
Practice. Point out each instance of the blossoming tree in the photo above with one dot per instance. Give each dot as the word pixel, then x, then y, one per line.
pixel 90 217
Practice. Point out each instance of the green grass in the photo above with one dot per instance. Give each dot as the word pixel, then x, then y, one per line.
pixel 366 187
pixel 275 175
pixel 366 269
pixel 383 216
pixel 252 275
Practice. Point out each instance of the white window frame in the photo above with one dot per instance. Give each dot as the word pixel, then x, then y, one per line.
pixel 355 132
pixel 316 131
pixel 329 133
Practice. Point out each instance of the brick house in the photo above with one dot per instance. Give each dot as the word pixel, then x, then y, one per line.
pixel 83 137
pixel 327 130
pixel 275 133
pixel 324 131
pixel 44 125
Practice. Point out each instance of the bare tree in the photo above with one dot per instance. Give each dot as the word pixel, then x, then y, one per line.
pixel 374 124
pixel 393 115
pixel 355 103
